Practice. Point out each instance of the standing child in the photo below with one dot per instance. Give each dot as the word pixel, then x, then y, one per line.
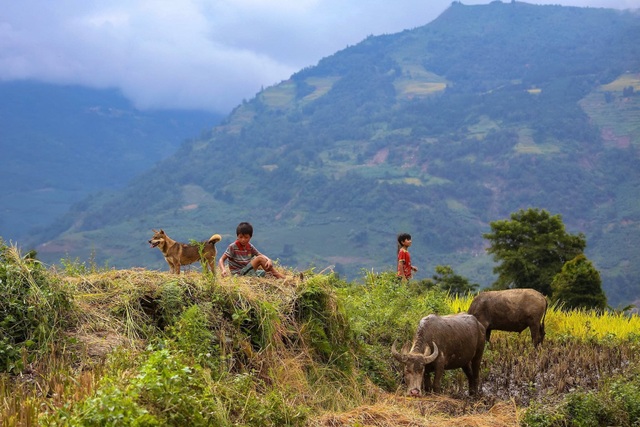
pixel 244 259
pixel 405 269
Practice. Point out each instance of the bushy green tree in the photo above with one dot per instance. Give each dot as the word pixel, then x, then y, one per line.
pixel 578 285
pixel 447 280
pixel 531 248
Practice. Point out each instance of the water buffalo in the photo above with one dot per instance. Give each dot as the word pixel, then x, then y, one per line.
pixel 511 310
pixel 458 342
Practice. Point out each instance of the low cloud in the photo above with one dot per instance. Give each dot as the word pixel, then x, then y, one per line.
pixel 201 54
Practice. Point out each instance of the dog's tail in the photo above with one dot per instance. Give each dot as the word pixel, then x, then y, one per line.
pixel 214 239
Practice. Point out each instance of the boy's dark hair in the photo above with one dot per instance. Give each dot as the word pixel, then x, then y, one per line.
pixel 401 238
pixel 244 228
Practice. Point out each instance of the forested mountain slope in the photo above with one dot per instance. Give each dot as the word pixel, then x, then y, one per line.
pixel 435 131
pixel 61 143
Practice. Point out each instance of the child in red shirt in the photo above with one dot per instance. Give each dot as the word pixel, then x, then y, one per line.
pixel 405 269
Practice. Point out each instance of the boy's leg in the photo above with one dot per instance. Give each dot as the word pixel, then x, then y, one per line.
pixel 262 261
pixel 253 268
pixel 246 270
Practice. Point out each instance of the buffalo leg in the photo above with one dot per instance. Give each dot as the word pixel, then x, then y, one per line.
pixel 537 334
pixel 426 381
pixel 469 373
pixel 437 379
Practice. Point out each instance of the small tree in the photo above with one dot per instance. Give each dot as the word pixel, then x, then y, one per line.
pixel 532 247
pixel 447 280
pixel 578 285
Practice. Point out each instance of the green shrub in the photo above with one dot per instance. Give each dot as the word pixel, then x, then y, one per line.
pixel 175 392
pixel 193 334
pixel 627 396
pixel 324 322
pixel 110 406
pixel 590 410
pixel 617 403
pixel 33 307
pixel 171 301
pixel 384 309
pixel 539 415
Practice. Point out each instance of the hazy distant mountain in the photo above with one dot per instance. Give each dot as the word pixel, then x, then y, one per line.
pixel 61 143
pixel 436 131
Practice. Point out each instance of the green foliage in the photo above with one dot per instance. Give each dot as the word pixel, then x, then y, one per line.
pixel 578 285
pixel 454 284
pixel 166 392
pixel 33 308
pixel 590 410
pixel 171 301
pixel 110 406
pixel 75 267
pixel 324 321
pixel 193 334
pixel 531 248
pixel 625 394
pixel 169 391
pixel 616 403
pixel 166 382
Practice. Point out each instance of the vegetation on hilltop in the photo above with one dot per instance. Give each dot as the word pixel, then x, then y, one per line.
pixel 139 347
pixel 436 131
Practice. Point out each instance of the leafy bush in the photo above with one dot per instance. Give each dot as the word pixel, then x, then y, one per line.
pixel 617 403
pixel 193 334
pixel 590 410
pixel 324 321
pixel 111 406
pixel 32 307
pixel 626 394
pixel 168 391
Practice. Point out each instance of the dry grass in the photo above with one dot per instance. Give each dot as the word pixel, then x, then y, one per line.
pixel 429 411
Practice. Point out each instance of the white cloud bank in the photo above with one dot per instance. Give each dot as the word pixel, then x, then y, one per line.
pixel 201 54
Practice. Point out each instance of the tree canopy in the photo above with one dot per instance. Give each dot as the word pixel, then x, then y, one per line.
pixel 578 285
pixel 532 248
pixel 447 280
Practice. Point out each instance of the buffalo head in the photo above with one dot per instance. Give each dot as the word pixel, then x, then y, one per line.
pixel 414 365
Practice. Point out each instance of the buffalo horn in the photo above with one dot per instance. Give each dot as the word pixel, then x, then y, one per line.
pixel 400 357
pixel 428 356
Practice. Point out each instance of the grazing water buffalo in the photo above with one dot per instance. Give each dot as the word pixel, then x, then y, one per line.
pixel 511 310
pixel 458 342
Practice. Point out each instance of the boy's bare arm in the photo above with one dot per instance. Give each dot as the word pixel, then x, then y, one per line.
pixel 223 270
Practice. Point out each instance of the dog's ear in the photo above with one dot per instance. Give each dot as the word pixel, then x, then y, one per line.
pixel 161 231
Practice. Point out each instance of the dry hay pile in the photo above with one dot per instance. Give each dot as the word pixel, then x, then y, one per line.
pixel 429 411
pixel 122 307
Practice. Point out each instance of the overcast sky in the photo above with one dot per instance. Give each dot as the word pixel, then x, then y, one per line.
pixel 204 54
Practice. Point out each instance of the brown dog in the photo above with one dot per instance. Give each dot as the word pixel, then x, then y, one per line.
pixel 177 254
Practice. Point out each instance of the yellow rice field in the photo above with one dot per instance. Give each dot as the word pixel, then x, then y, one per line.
pixel 582 324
